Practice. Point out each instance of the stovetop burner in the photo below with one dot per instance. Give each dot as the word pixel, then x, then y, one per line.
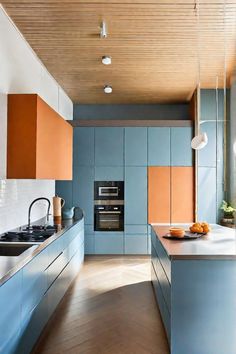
pixel 36 233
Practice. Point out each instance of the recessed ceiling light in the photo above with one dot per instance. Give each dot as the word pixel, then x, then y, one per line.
pixel 108 89
pixel 103 30
pixel 106 60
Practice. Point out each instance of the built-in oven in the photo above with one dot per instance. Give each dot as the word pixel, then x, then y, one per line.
pixel 109 217
pixel 108 190
pixel 109 206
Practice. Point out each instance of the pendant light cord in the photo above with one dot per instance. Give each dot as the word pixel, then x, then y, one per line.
pixel 199 69
pixel 225 103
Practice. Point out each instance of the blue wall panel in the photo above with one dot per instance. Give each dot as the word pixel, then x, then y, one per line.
pixel 135 146
pixel 64 190
pixel 159 146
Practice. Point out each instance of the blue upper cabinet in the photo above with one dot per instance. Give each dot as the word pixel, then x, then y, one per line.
pixel 109 146
pixel 207 156
pixel 109 173
pixel 83 186
pixel 158 146
pixel 136 146
pixel 181 151
pixel 207 194
pixel 84 146
pixel 136 195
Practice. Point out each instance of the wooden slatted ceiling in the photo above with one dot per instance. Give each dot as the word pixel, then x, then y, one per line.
pixel 153 45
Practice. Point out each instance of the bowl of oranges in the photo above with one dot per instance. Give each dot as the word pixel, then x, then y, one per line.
pixel 200 228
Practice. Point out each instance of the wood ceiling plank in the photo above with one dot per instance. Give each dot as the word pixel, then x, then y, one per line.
pixel 153 46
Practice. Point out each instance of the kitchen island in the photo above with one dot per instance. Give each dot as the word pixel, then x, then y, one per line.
pixel 195 287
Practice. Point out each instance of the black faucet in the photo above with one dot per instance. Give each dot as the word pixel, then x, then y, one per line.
pixel 30 207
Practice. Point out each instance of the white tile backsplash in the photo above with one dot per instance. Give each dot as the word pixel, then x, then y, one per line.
pixel 15 198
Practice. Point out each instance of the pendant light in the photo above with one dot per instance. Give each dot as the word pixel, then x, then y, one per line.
pixel 200 140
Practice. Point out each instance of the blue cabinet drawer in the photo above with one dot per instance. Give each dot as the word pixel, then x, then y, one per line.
pixel 89 239
pixel 56 267
pixel 109 243
pixel 136 244
pixel 164 259
pixel 34 282
pixel 10 309
pixel 74 246
pixel 164 283
pixel 62 282
pixel 165 315
pixel 136 229
pixel 32 326
pixel 55 248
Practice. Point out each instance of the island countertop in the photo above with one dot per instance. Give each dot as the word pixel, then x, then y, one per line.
pixel 220 243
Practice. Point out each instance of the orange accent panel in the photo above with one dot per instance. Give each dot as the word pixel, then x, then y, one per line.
pixel 39 140
pixel 182 194
pixel 21 136
pixel 158 194
pixel 54 144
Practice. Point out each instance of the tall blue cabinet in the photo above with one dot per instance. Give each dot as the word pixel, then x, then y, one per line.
pixel 122 154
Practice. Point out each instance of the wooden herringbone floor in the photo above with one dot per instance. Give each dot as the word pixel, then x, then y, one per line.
pixel 110 309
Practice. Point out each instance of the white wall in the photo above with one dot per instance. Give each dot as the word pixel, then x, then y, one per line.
pixel 22 72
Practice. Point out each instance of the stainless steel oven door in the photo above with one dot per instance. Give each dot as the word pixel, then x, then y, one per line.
pixel 108 191
pixel 109 220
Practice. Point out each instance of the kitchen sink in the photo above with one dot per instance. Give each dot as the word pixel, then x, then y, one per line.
pixel 13 250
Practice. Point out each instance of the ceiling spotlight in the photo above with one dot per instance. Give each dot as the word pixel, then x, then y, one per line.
pixel 106 60
pixel 107 89
pixel 103 30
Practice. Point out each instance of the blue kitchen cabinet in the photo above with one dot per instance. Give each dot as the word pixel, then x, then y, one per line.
pixel 207 156
pixel 181 151
pixel 109 146
pixel 32 326
pixel 83 152
pixel 34 282
pixel 136 241
pixel 89 239
pixel 158 146
pixel 207 194
pixel 10 309
pixel 64 190
pixel 83 191
pixel 109 242
pixel 135 146
pixel 136 195
pixel 136 244
pixel 109 173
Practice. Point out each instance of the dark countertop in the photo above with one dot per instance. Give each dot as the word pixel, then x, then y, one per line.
pixel 220 243
pixel 11 265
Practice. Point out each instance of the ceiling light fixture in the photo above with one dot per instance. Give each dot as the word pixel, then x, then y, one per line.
pixel 103 30
pixel 106 60
pixel 108 89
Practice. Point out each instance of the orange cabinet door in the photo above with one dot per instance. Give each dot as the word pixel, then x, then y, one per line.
pixel 182 194
pixel 40 141
pixel 159 195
